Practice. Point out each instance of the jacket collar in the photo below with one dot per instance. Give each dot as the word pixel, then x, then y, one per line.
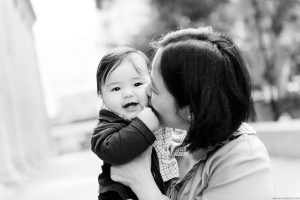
pixel 109 116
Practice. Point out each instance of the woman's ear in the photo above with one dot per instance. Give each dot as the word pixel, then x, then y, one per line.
pixel 185 113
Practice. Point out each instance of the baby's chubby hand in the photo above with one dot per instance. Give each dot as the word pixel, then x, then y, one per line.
pixel 149 118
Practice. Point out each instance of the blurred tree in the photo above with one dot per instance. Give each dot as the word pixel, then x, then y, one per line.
pixel 99 3
pixel 173 14
pixel 270 18
pixel 267 31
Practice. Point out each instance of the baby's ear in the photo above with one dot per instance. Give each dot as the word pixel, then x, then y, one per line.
pixel 101 101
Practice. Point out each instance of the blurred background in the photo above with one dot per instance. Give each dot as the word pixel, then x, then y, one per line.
pixel 49 52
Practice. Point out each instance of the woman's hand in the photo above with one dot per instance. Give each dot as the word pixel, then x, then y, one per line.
pixel 137 175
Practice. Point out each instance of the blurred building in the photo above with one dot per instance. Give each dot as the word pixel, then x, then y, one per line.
pixel 69 45
pixel 24 138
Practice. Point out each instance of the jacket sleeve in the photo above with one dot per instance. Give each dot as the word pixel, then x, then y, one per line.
pixel 117 145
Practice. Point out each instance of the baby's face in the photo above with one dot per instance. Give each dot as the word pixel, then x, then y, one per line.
pixel 124 91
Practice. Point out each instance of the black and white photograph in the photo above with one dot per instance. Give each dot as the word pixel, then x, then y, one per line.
pixel 149 99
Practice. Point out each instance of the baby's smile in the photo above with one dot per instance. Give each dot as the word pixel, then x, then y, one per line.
pixel 131 106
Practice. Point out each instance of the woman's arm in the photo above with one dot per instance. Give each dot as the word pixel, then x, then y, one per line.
pixel 137 175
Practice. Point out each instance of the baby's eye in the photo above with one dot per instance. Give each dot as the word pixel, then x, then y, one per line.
pixel 115 89
pixel 138 84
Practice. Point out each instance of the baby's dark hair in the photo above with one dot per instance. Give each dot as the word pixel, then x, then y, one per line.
pixel 206 71
pixel 113 59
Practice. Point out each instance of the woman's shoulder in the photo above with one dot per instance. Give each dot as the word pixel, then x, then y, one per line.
pixel 245 146
pixel 240 163
pixel 245 141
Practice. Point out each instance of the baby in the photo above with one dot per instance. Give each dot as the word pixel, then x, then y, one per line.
pixel 126 126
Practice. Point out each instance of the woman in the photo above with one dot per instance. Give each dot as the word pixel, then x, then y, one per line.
pixel 200 83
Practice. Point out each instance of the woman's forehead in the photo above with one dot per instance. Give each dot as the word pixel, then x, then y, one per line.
pixel 156 59
pixel 156 77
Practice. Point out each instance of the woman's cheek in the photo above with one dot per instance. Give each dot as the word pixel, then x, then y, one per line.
pixel 153 101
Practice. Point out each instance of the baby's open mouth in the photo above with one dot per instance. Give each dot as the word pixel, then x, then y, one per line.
pixel 130 105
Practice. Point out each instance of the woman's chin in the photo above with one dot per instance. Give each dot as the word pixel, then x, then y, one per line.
pixel 167 123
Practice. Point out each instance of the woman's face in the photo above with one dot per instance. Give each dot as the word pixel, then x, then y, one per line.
pixel 163 102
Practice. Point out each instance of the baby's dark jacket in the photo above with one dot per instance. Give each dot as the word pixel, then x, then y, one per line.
pixel 117 141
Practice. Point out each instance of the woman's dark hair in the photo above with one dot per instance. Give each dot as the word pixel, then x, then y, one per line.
pixel 205 71
pixel 111 60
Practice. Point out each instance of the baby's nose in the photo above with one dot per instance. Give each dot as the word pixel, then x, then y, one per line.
pixel 127 93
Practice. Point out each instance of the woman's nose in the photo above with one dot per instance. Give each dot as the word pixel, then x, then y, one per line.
pixel 148 90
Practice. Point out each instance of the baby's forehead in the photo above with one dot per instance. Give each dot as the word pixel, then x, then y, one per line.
pixel 139 66
pixel 139 63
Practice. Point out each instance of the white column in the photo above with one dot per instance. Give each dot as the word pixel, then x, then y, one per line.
pixel 24 139
pixel 13 152
pixel 8 173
